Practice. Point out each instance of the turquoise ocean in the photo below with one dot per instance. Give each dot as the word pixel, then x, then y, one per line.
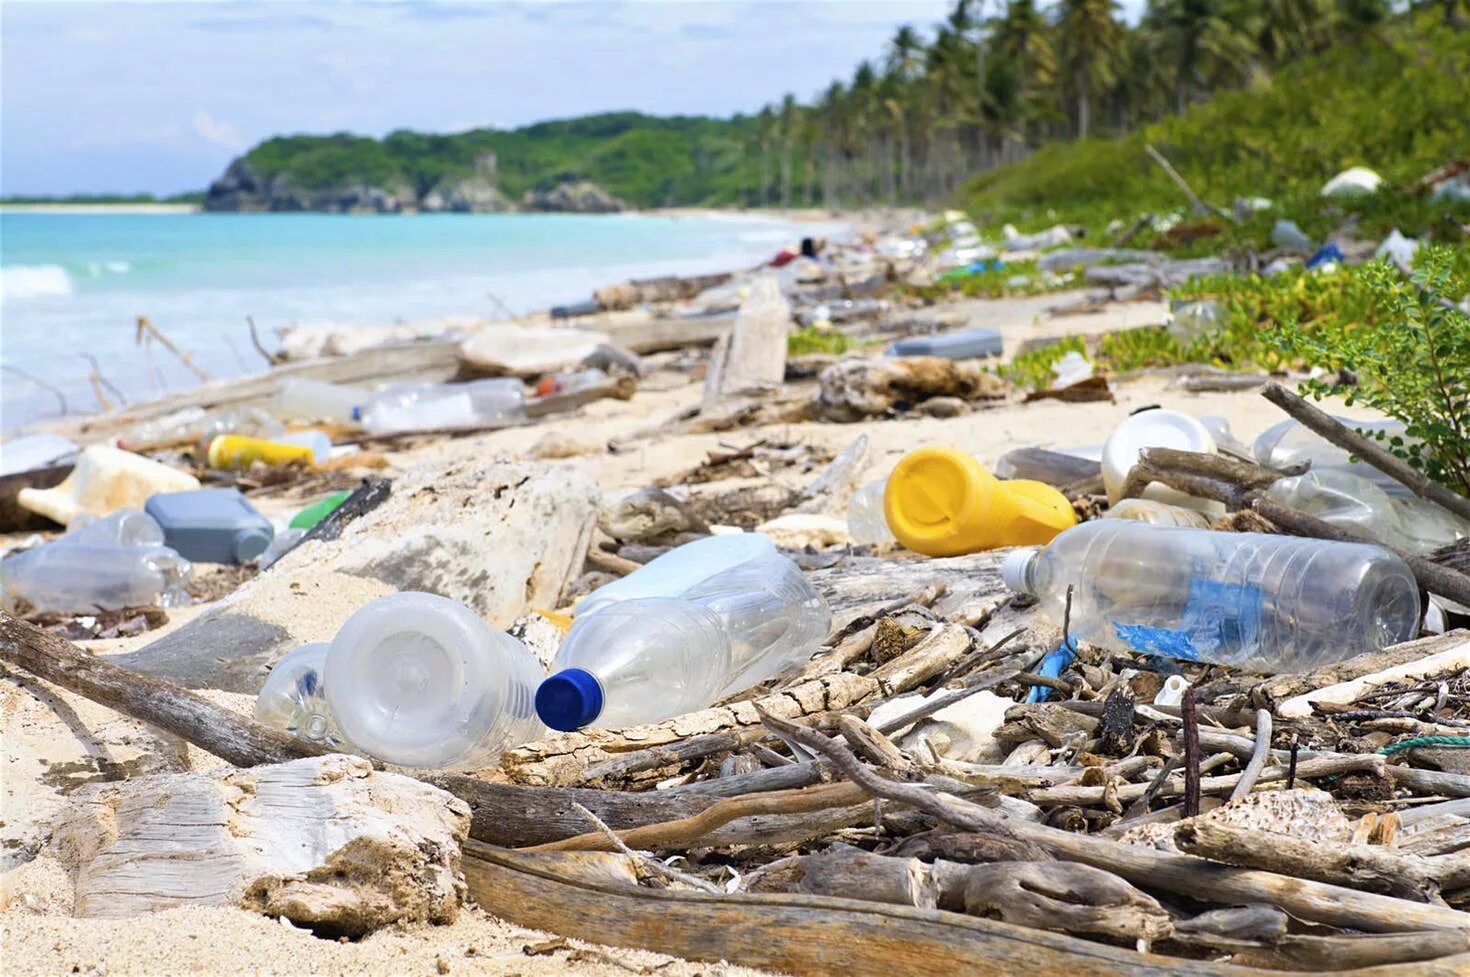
pixel 72 284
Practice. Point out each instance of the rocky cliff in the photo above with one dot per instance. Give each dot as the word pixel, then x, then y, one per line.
pixel 243 189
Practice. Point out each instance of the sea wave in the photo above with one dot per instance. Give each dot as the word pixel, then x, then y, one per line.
pixel 34 281
pixel 97 269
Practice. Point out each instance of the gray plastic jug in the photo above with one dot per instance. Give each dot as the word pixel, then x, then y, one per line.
pixel 211 525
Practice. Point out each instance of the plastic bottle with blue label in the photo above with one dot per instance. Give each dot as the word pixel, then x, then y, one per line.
pixel 294 699
pixel 647 658
pixel 1265 603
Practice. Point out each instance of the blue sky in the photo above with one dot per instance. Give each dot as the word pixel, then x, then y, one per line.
pixel 158 97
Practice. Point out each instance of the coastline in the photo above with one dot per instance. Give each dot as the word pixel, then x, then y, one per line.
pixel 66 208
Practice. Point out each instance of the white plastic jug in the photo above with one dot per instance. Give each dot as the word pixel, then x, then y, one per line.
pixel 105 480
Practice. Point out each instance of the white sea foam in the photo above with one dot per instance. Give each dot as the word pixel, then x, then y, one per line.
pixel 97 269
pixel 33 281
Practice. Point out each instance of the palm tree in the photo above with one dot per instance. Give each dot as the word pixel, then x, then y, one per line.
pixel 790 120
pixel 1208 43
pixel 1092 44
pixel 766 137
pixel 1288 29
pixel 1023 37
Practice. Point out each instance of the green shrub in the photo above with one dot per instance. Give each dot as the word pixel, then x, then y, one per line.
pixel 810 339
pixel 1413 364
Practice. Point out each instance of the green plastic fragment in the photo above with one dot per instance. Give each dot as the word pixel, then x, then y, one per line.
pixel 308 518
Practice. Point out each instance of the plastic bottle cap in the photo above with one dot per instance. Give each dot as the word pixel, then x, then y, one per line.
pixel 569 700
pixel 1013 569
pixel 250 543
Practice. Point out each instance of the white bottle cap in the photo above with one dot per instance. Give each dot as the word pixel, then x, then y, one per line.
pixel 1013 568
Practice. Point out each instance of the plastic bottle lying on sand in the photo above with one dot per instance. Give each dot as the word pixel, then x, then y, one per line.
pixel 293 698
pixel 444 406
pixel 212 525
pixel 317 441
pixel 1268 603
pixel 866 523
pixel 105 480
pixel 419 680
pixel 234 451
pixel 649 658
pixel 681 568
pixel 125 527
pixel 568 383
pixel 195 424
pixel 61 576
pixel 942 502
pixel 1157 514
pixel 300 399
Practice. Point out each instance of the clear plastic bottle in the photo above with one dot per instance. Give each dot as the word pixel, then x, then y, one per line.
pixel 195 424
pixel 419 680
pixel 647 659
pixel 1268 603
pixel 1349 501
pixel 567 383
pixel 866 522
pixel 298 398
pixel 62 576
pixel 444 406
pixel 125 527
pixel 1157 514
pixel 294 701
pixel 681 568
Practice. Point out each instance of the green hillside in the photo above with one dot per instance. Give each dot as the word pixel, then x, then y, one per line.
pixel 1398 103
pixel 644 160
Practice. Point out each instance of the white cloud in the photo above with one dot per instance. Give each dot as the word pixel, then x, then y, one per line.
pixel 217 133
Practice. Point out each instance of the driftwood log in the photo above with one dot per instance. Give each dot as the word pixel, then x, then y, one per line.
pixel 816 936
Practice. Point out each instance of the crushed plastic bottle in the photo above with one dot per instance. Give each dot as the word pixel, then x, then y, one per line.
pixel 61 576
pixel 1071 368
pixel 308 517
pixel 1285 234
pixel 650 658
pixel 419 680
pixel 866 523
pixel 103 481
pixel 1291 443
pixel 444 406
pixel 125 527
pixel 1354 503
pixel 1157 514
pixel 1190 320
pixel 942 502
pixel 1266 603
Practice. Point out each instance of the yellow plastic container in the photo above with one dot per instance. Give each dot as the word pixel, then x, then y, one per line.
pixel 238 451
pixel 942 502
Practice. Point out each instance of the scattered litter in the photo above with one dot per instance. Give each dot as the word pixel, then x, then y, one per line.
pixel 1356 181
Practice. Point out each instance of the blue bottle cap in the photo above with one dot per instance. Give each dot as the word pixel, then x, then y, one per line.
pixel 569 700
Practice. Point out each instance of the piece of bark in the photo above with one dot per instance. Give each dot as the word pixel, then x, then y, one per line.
pixel 1065 896
pixel 324 841
pixel 833 488
pixel 1336 954
pixel 1259 923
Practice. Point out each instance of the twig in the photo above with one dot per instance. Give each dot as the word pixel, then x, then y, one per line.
pixel 684 831
pixel 1191 754
pixel 1180 874
pixel 271 358
pixel 1140 807
pixel 1201 208
pixel 60 397
pixel 148 329
pixel 647 861
pixel 1258 758
pixel 1349 440
pixel 97 373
